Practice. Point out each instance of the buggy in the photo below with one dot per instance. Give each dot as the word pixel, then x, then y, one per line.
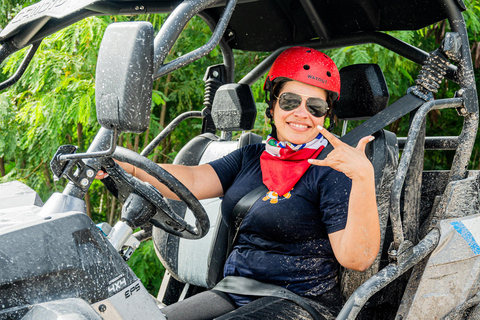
pixel 56 262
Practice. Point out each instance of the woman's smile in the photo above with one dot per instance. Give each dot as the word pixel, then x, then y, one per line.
pixel 298 125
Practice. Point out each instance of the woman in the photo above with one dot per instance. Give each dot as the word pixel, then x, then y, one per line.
pixel 313 217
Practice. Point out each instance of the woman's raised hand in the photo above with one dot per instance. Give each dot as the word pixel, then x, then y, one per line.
pixel 351 161
pixel 357 245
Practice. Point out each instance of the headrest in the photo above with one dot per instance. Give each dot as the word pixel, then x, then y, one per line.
pixel 233 108
pixel 363 93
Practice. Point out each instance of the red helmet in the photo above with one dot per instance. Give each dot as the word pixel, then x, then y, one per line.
pixel 306 65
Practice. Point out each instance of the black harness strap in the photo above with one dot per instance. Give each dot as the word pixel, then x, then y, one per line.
pixel 240 211
pixel 382 119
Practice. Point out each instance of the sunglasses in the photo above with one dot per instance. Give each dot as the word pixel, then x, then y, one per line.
pixel 289 101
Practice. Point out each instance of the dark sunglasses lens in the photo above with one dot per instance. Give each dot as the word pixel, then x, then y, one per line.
pixel 317 107
pixel 289 101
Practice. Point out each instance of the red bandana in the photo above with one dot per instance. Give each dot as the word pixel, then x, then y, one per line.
pixel 284 163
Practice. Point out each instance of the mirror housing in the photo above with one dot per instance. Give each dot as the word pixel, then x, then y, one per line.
pixel 124 77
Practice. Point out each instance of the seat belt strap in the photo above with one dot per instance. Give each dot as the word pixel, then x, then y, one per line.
pixel 385 117
pixel 251 287
pixel 245 203
pixel 240 211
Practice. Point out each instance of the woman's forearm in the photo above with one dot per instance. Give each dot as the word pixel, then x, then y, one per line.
pixel 360 241
pixel 202 180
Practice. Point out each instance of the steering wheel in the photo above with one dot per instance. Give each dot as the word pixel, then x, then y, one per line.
pixel 165 218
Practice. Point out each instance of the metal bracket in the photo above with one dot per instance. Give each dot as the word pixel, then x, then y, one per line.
pixel 400 254
pixel 469 97
pixel 120 236
pixel 452 45
pixel 67 169
pixel 415 91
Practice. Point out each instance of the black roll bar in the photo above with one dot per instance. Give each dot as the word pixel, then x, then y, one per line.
pixel 385 40
pixel 466 80
pixel 23 66
pixel 227 52
pixel 434 143
pixel 174 25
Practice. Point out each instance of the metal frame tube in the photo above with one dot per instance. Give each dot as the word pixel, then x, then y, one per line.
pixel 466 141
pixel 20 71
pixel 434 143
pixel 407 154
pixel 168 129
pixel 465 66
pixel 261 68
pixel 385 276
pixel 172 28
pixel 466 79
pixel 227 52
pixel 387 41
pixel 94 154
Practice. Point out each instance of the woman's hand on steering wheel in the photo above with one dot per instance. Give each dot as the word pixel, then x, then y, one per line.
pixel 101 175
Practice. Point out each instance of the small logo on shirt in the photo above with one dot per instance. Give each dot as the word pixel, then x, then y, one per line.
pixel 273 196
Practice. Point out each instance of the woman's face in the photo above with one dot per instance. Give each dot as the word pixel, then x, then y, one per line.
pixel 298 126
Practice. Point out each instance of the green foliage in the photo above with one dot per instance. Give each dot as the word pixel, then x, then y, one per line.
pixel 55 94
pixel 8 138
pixel 147 267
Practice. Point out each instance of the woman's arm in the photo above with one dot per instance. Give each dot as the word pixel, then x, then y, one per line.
pixel 356 246
pixel 201 180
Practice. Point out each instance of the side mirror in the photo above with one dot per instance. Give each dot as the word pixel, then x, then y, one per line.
pixel 124 77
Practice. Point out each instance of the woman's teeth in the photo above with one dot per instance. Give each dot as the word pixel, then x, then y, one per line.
pixel 298 125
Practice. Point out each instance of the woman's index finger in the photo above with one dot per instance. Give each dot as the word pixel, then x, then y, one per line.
pixel 334 141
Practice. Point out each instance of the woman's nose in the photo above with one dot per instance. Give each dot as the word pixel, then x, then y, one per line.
pixel 302 111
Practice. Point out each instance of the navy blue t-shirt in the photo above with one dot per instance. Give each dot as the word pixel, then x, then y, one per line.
pixel 284 239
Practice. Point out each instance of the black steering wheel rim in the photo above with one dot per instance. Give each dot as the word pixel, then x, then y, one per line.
pixel 202 223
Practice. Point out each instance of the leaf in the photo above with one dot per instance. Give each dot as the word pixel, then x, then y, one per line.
pixel 158 98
